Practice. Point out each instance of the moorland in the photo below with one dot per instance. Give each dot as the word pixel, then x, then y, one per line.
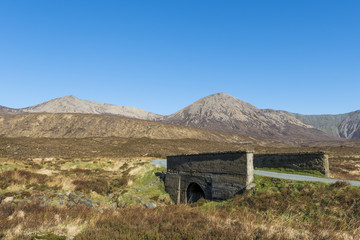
pixel 106 188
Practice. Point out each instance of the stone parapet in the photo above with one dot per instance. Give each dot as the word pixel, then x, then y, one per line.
pixel 298 161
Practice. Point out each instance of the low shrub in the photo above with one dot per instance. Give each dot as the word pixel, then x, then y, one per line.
pixel 98 185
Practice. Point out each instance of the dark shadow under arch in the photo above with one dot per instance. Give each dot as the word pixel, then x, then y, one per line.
pixel 194 193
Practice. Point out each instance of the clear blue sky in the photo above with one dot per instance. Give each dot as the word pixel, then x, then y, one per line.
pixel 301 56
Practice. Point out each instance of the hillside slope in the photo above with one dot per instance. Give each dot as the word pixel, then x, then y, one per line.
pixel 71 104
pixel 345 125
pixel 69 125
pixel 350 127
pixel 6 110
pixel 220 112
pixel 226 113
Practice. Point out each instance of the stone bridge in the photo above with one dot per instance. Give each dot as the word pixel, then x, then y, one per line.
pixel 219 176
pixel 213 176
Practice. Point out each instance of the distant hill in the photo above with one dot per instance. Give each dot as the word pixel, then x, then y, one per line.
pixel 71 104
pixel 219 112
pixel 73 125
pixel 350 127
pixel 224 112
pixel 6 110
pixel 340 125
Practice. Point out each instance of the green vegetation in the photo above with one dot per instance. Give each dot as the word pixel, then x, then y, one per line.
pixel 313 173
pixel 46 235
pixel 10 166
pixel 146 187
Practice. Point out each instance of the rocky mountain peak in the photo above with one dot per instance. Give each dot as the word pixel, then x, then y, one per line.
pixel 224 112
pixel 72 104
pixel 219 107
pixel 68 97
pixel 224 101
pixel 219 104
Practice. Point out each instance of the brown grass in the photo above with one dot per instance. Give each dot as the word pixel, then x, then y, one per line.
pixel 8 178
pixel 98 185
pixel 263 215
pixel 39 151
pixel 277 209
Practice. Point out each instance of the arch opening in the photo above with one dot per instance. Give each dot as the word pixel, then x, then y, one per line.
pixel 194 193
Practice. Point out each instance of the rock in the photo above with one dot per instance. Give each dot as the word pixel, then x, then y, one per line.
pixel 86 202
pixel 44 198
pixel 73 198
pixel 150 205
pixel 44 205
pixel 250 186
pixel 76 199
pixel 78 193
pixel 61 194
pixel 35 196
pixel 60 202
pixel 8 200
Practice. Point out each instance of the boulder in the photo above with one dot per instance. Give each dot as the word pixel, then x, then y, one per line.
pixel 150 205
pixel 8 200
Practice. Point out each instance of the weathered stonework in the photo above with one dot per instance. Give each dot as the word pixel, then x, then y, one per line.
pixel 214 176
pixel 299 161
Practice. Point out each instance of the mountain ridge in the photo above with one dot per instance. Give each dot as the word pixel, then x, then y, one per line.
pixel 219 111
pixel 72 104
pixel 7 110
pixel 346 125
pixel 79 125
pixel 224 112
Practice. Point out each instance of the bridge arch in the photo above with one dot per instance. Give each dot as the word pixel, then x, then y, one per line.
pixel 194 192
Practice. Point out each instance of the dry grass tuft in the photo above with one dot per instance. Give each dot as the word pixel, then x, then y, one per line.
pixel 98 185
pixel 14 177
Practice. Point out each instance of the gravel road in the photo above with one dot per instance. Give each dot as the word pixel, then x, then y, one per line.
pixel 302 177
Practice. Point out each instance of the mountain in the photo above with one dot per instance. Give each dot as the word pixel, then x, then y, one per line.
pixel 340 125
pixel 224 112
pixel 71 104
pixel 6 110
pixel 74 125
pixel 350 127
pixel 326 123
pixel 220 112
